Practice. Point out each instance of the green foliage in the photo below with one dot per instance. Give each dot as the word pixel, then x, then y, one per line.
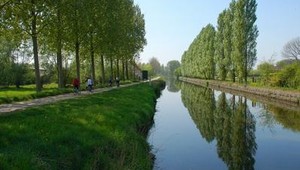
pixel 289 76
pixel 81 31
pixel 155 65
pixel 221 60
pixel 228 51
pixel 149 68
pixel 100 131
pixel 266 70
pixel 172 66
pixel 284 74
pixel 198 60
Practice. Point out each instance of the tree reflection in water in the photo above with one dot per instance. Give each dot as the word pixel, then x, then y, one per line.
pixel 228 121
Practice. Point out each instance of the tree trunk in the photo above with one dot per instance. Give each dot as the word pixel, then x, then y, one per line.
pixel 93 60
pixel 111 68
pixel 126 69
pixel 102 70
pixel 77 46
pixel 35 50
pixel 118 69
pixel 245 69
pixel 123 70
pixel 59 48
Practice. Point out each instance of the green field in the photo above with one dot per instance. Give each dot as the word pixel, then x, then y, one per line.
pixel 13 94
pixel 99 131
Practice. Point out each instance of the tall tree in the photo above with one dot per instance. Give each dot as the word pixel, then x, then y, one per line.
pixel 54 35
pixel 239 38
pixel 244 37
pixel 291 49
pixel 252 34
pixel 228 33
pixel 76 28
pixel 27 17
pixel 207 52
pixel 219 46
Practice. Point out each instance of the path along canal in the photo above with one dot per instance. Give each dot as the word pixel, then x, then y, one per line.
pixel 201 128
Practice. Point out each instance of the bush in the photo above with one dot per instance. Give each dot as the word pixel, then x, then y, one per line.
pixel 289 76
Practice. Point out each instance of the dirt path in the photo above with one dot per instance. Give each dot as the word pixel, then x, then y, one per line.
pixel 7 108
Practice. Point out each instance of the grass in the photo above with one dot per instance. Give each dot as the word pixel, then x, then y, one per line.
pixel 99 131
pixel 28 92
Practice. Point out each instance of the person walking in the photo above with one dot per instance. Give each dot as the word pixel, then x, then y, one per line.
pixel 76 84
pixel 89 84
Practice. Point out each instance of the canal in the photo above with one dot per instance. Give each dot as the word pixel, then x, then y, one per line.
pixel 200 128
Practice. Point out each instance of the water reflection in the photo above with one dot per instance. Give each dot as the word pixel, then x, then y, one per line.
pixel 228 121
pixel 288 118
pixel 172 84
pixel 201 128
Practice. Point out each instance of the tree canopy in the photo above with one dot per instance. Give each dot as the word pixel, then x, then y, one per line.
pixel 89 35
pixel 227 51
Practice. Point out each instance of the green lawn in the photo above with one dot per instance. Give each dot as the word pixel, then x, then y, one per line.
pixel 99 131
pixel 13 94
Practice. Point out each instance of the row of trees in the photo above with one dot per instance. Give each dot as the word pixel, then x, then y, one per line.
pixel 92 36
pixel 228 51
pixel 155 68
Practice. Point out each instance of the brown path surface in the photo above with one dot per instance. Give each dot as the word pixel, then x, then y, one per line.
pixel 6 108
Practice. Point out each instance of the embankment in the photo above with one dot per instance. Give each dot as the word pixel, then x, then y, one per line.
pixel 286 99
pixel 97 131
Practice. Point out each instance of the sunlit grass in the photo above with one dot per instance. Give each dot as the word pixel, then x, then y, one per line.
pixel 99 131
pixel 11 94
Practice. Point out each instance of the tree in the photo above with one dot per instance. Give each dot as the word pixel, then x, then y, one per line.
pixel 221 61
pixel 245 33
pixel 228 33
pixel 291 50
pixel 265 70
pixel 251 36
pixel 198 60
pixel 172 66
pixel 239 39
pixel 155 65
pixel 27 19
pixel 207 52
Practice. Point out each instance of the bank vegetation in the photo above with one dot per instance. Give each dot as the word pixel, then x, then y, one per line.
pixel 100 131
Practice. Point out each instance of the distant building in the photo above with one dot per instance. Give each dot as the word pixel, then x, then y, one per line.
pixel 144 75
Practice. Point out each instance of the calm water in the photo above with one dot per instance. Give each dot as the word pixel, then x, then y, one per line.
pixel 200 128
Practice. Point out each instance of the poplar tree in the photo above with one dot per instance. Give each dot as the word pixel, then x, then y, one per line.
pixel 208 50
pixel 239 38
pixel 252 34
pixel 219 45
pixel 245 33
pixel 228 33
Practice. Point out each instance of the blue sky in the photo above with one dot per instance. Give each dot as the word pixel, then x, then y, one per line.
pixel 171 25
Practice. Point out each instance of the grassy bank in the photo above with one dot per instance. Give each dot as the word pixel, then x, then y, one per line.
pixel 278 94
pixel 100 131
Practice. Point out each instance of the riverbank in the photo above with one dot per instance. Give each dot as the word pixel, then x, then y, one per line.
pixel 290 99
pixel 98 131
